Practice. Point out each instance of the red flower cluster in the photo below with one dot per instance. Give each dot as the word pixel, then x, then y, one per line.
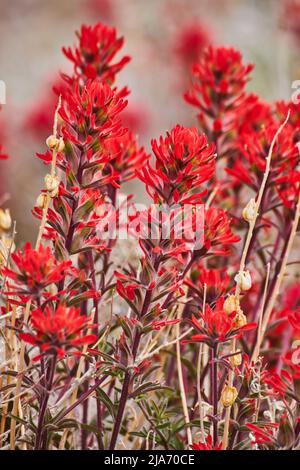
pixel 218 326
pixel 184 161
pixel 92 58
pixel 58 331
pixel 90 120
pixel 218 89
pixel 34 271
pixel 215 282
pixel 254 145
pixel 190 42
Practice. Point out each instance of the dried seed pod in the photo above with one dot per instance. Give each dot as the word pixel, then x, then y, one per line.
pixel 240 319
pixel 236 360
pixel 243 280
pixel 5 219
pixel 55 143
pixel 231 304
pixel 228 396
pixel 41 201
pixel 51 183
pixel 249 211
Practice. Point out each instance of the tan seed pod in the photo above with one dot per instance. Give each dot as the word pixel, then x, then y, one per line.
pixel 5 219
pixel 236 360
pixel 249 211
pixel 41 201
pixel 231 304
pixel 51 183
pixel 228 396
pixel 240 319
pixel 243 280
pixel 55 143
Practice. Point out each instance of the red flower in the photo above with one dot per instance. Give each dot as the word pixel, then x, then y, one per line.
pixel 3 156
pixel 93 111
pixel 34 271
pixel 190 42
pixel 253 146
pixel 217 325
pixel 58 331
pixel 207 445
pixel 216 281
pixel 282 384
pixel 98 46
pixel 184 161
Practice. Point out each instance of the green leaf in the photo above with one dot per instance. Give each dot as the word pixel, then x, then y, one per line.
pixel 148 387
pixel 106 401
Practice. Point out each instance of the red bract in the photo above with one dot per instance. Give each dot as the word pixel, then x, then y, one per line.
pixel 251 115
pixel 184 161
pixel 93 57
pixel 207 445
pixel 34 271
pixel 281 384
pixel 217 231
pixel 294 318
pixel 263 434
pixel 218 326
pixel 58 330
pixel 128 157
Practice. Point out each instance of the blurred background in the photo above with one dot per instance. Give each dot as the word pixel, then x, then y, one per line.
pixel 163 37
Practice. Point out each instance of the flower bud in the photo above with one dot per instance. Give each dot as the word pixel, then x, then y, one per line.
pixel 52 184
pixel 5 219
pixel 228 396
pixel 250 210
pixel 55 144
pixel 243 280
pixel 41 201
pixel 231 304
